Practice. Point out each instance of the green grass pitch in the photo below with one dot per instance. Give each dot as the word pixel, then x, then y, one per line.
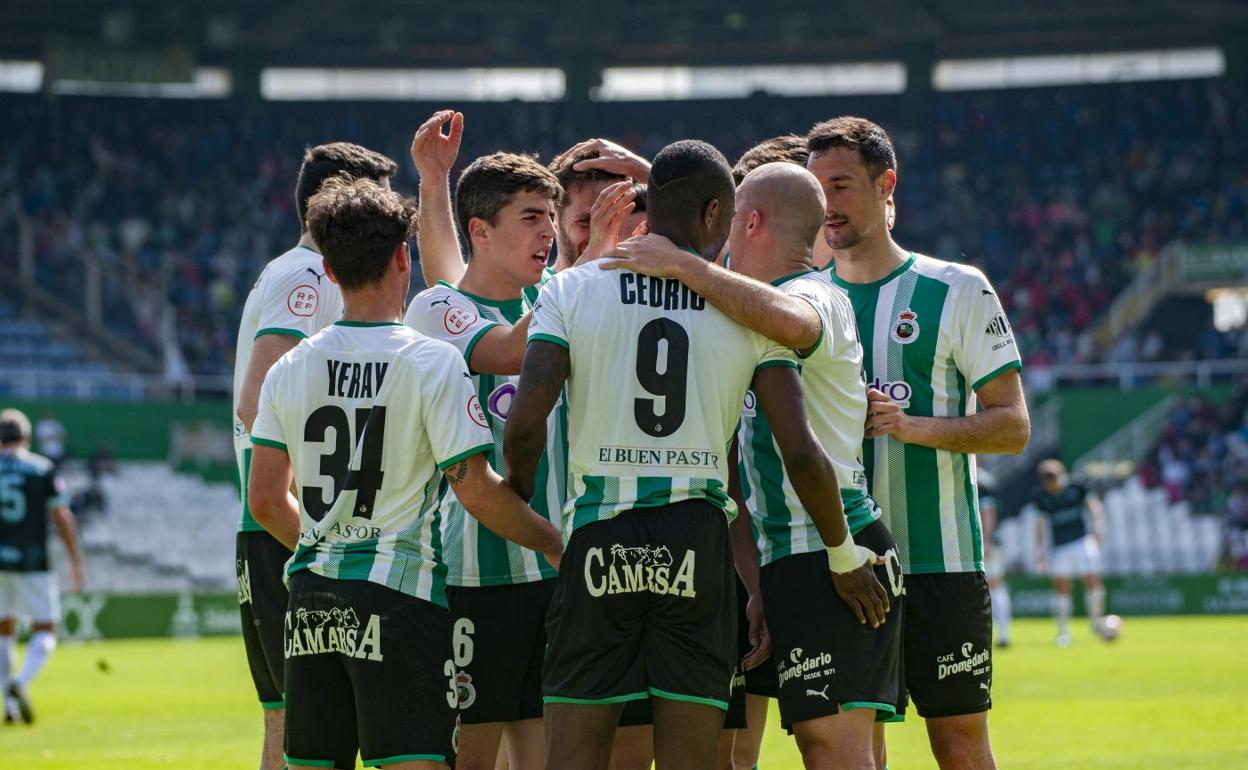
pixel 1172 693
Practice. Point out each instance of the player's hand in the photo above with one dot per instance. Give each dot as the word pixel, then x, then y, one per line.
pixel 613 159
pixel 612 207
pixel 885 417
pixel 434 152
pixel 760 636
pixel 861 590
pixel 651 255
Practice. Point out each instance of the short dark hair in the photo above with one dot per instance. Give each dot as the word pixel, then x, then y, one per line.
pixel 789 148
pixel 357 224
pixel 335 159
pixel 687 174
pixel 870 141
pixel 568 177
pixel 489 183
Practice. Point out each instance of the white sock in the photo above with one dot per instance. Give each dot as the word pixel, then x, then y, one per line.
pixel 1063 603
pixel 6 661
pixel 1001 612
pixel 1096 604
pixel 42 643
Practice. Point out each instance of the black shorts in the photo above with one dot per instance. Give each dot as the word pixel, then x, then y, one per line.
pixel 644 606
pixel 639 712
pixel 760 680
pixel 366 671
pixel 948 643
pixel 260 561
pixel 826 661
pixel 498 638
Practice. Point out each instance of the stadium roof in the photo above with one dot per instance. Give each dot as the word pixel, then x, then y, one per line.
pixel 389 33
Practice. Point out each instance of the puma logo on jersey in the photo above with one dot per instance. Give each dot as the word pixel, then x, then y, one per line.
pixel 823 693
pixel 354 379
pixel 319 276
pixel 444 301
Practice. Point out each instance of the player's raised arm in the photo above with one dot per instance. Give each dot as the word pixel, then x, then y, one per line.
pixel 788 320
pixel 434 154
pixel 779 392
pixel 496 505
pixel 546 368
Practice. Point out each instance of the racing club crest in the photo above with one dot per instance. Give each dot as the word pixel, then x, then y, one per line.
pixel 906 329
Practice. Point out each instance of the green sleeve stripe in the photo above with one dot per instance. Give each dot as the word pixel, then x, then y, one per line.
pixel 549 338
pixel 276 330
pixel 719 704
pixel 596 701
pixel 995 373
pixel 269 443
pixel 472 345
pixel 476 450
pixel 272 705
pixel 439 758
pixel 309 762
pixel 776 362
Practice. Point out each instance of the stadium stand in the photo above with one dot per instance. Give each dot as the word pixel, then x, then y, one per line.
pixel 159 530
pixel 182 203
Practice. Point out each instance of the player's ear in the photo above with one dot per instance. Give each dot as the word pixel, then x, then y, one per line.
pixel 478 229
pixel 403 257
pixel 887 182
pixel 710 215
pixel 329 271
pixel 755 222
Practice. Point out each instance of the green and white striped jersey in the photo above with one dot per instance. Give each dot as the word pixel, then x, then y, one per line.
pixel 292 297
pixel 474 555
pixel 836 406
pixel 657 381
pixel 933 333
pixel 369 414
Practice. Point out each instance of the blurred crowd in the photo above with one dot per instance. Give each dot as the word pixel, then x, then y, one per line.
pixel 1202 457
pixel 1059 194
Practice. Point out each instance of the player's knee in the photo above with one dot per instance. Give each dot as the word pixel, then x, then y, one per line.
pixel 826 749
pixel 959 743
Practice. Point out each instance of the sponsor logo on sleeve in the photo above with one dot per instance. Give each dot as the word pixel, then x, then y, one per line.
pixel 750 409
pixel 998 327
pixel 302 300
pixel 457 320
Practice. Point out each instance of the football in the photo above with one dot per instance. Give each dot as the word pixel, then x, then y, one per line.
pixel 1110 627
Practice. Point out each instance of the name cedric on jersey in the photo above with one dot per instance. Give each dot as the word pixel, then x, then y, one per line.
pixel 667 293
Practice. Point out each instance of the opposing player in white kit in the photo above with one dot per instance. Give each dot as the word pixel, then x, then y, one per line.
pixel 291 301
pixel 366 418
